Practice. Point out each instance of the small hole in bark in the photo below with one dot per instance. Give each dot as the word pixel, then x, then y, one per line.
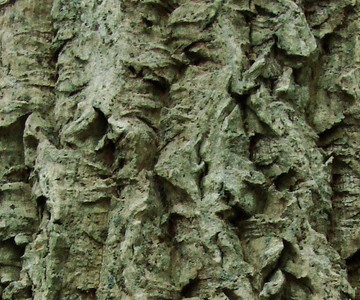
pixel 325 44
pixel 189 290
pixel 240 98
pixel 107 153
pixel 239 215
pixel 160 85
pixel 354 259
pixel 100 127
pixel 132 70
pixel 195 58
pixel 285 181
pixel 41 204
pixel 58 222
pixel 234 214
pixel 17 250
pixel 172 224
pixel 147 22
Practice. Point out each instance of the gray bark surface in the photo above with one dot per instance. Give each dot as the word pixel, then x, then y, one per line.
pixel 177 149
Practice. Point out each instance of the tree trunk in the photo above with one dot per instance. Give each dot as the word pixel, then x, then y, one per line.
pixel 178 149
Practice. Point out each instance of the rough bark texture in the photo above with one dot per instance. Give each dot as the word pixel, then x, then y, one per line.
pixel 177 149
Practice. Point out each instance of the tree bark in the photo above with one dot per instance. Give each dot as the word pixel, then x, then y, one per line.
pixel 178 149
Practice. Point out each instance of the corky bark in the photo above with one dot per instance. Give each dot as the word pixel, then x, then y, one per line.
pixel 178 149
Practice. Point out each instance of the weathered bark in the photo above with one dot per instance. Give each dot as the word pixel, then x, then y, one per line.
pixel 177 149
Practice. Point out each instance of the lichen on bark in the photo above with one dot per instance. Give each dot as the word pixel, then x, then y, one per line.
pixel 179 149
